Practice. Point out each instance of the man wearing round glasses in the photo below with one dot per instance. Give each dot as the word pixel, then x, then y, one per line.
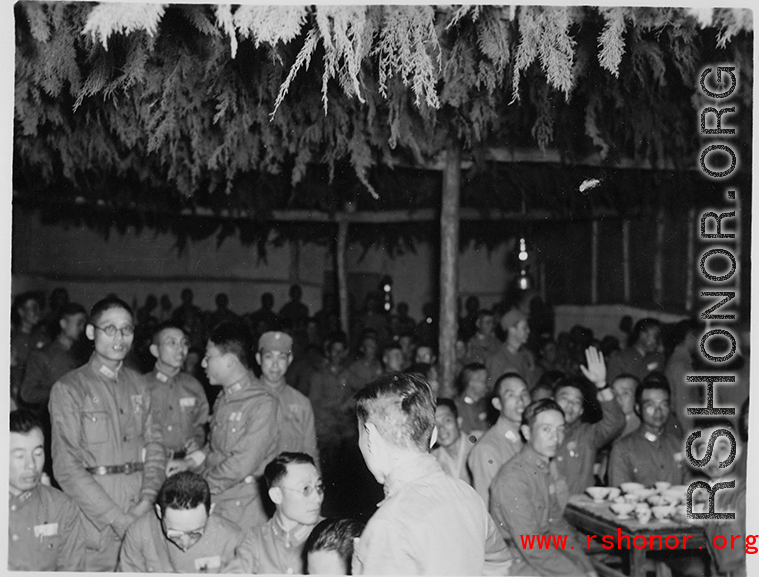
pixel 183 536
pixel 295 488
pixel 108 452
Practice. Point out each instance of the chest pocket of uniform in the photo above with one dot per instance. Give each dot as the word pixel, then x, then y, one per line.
pixel 234 427
pixel 95 426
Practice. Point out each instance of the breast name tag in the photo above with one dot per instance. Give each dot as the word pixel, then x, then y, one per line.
pixel 187 401
pixel 650 436
pixel 206 563
pixel 46 530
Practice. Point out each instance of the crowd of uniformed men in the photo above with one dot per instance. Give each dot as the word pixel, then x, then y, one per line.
pixel 146 477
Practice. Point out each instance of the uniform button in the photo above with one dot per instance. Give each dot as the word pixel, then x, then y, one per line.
pixel 121 411
pixel 169 428
pixel 126 438
pixel 94 419
pixel 15 538
pixel 13 507
pixel 237 503
pixel 233 429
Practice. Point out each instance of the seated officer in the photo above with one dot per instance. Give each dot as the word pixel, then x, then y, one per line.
pixel 329 548
pixel 578 451
pixel 182 535
pixel 502 441
pixel 655 451
pixel 452 447
pixel 45 531
pixel 295 488
pixel 245 429
pixel 178 400
pixel 528 496
pixel 274 355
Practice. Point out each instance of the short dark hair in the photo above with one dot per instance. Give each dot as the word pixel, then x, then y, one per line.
pixel 276 470
pixel 335 337
pixel 106 304
pixel 185 490
pixel 426 345
pixel 642 326
pixel 162 327
pixel 422 369
pixel 548 381
pixel 235 338
pixel 505 377
pixel 391 346
pixel 653 381
pixel 24 421
pixel 574 382
pixel 635 379
pixel 71 309
pixel 402 407
pixel 443 402
pixel 532 410
pixel 467 370
pixel 336 535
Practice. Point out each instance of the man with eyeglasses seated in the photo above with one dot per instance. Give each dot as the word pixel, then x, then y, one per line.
pixel 108 451
pixel 655 451
pixel 295 488
pixel 182 535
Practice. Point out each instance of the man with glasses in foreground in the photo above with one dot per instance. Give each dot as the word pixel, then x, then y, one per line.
pixel 295 488
pixel 107 451
pixel 183 535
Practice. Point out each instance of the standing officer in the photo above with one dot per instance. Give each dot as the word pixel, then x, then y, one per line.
pixel 108 453
pixel 178 400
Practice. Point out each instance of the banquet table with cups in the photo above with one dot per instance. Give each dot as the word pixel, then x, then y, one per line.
pixel 636 512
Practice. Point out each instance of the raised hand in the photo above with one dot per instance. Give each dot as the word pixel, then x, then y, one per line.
pixel 595 371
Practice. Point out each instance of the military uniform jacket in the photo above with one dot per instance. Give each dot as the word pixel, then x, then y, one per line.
pixel 577 453
pixel 100 417
pixel 180 406
pixel 499 444
pixel 642 457
pixel 245 433
pixel 269 549
pixel 147 550
pixel 504 361
pixel 527 497
pixel 45 532
pixel 298 433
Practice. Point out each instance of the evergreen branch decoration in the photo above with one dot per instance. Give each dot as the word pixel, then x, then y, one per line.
pixel 611 42
pixel 225 22
pixel 342 31
pixel 108 19
pixel 544 33
pixel 270 24
pixel 731 22
pixel 303 59
pixel 408 46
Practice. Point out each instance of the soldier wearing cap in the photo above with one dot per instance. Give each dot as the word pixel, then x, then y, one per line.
pixel 108 451
pixel 512 356
pixel 298 433
pixel 245 429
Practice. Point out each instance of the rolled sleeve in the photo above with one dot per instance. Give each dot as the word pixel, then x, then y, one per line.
pixel 154 473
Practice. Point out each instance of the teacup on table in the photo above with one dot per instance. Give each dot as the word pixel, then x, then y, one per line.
pixel 597 493
pixel 662 486
pixel 643 515
pixel 630 487
pixel 622 510
pixel 663 511
pixel 614 492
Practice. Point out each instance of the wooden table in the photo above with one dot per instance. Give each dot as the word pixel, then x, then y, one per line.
pixel 596 518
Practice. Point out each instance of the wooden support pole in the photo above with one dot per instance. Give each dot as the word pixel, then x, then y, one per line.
pixel 594 262
pixel 659 259
pixel 626 259
pixel 449 253
pixel 690 270
pixel 341 249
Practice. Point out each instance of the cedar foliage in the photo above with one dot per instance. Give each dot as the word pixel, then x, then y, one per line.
pixel 260 107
